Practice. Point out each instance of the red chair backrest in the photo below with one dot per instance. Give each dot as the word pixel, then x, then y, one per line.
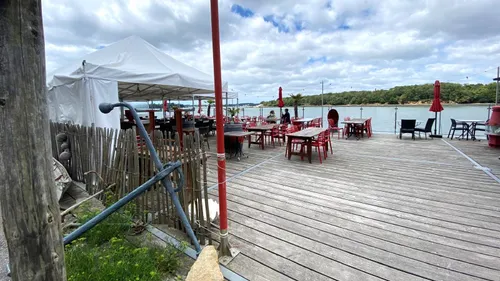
pixel 129 116
pixel 321 136
pixel 331 123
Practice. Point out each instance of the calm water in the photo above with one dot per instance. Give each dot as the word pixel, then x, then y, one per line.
pixel 383 116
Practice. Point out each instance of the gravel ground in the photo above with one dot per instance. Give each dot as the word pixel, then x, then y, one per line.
pixel 4 254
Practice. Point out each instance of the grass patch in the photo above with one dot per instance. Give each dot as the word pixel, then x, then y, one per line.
pixel 103 253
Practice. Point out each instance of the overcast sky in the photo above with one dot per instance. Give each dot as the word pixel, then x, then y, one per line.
pixel 265 44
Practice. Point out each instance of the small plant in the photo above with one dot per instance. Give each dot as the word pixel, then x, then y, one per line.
pixel 233 111
pixel 119 260
pixel 297 100
pixel 103 253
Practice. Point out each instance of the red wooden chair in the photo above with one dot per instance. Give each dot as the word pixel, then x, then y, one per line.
pixel 332 126
pixel 368 127
pixel 318 122
pixel 318 144
pixel 295 142
pixel 346 126
pixel 283 131
pixel 328 141
pixel 273 134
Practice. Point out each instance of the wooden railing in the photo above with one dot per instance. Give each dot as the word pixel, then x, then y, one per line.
pixel 100 157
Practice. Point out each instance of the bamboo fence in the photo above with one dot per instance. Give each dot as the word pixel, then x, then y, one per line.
pixel 100 157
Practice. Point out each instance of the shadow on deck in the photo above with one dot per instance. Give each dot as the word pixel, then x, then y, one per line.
pixel 377 209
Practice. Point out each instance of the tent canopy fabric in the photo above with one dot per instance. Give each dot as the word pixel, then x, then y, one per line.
pixel 128 70
pixel 142 71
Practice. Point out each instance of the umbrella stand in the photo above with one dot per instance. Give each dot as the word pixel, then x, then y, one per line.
pixel 435 135
pixel 436 107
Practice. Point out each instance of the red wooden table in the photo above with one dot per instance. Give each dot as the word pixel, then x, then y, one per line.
pixel 307 135
pixel 260 137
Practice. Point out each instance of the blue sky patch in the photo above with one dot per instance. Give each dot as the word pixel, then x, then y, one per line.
pixel 344 26
pixel 242 11
pixel 277 23
pixel 299 25
pixel 366 12
pixel 312 60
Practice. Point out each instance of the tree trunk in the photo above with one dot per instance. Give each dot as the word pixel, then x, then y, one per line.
pixel 208 109
pixel 30 211
pixel 296 110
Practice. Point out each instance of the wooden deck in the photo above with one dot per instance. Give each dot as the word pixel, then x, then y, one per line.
pixel 377 209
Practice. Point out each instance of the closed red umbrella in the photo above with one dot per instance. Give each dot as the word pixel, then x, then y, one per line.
pixel 436 102
pixel 199 106
pixel 165 105
pixel 280 98
pixel 436 105
pixel 165 109
pixel 280 101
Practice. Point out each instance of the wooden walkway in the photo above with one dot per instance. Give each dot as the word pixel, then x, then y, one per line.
pixel 377 209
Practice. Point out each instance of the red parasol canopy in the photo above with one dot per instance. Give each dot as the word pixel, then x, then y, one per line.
pixel 280 98
pixel 436 102
pixel 199 106
pixel 165 105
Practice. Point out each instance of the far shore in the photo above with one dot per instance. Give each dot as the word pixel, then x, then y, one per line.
pixel 382 105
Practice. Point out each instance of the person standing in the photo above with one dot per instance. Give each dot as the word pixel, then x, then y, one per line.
pixel 285 118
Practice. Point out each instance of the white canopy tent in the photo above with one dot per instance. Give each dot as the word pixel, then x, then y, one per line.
pixel 128 70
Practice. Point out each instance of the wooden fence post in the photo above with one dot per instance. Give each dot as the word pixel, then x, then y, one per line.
pixel 30 211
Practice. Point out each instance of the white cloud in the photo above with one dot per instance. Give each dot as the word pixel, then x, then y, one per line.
pixel 361 44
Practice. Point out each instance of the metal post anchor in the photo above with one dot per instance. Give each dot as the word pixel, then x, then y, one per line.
pixel 226 252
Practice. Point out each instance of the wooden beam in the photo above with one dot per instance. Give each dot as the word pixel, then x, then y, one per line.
pixel 32 223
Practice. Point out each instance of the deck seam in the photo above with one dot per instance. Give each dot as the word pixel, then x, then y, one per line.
pixel 360 233
pixel 349 251
pixel 246 170
pixel 447 220
pixel 375 237
pixel 413 228
pixel 478 166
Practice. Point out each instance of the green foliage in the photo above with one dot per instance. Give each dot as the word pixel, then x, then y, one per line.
pixel 233 111
pixel 450 93
pixel 103 253
pixel 115 225
pixel 119 260
pixel 296 99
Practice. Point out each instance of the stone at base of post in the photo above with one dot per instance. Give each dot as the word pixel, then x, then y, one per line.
pixel 226 252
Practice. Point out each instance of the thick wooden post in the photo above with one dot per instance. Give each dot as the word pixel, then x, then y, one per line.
pixel 30 211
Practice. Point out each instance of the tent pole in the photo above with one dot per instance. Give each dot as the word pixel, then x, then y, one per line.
pixel 226 254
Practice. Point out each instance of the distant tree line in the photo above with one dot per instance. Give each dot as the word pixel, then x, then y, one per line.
pixel 412 94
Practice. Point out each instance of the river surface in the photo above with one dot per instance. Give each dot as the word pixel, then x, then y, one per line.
pixel 383 117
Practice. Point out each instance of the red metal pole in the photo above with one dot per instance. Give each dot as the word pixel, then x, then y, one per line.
pixel 221 160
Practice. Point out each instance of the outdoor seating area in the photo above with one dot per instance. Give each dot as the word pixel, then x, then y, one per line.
pixel 466 128
pixel 354 217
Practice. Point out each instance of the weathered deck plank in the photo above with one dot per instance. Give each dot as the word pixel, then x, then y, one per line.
pixel 378 208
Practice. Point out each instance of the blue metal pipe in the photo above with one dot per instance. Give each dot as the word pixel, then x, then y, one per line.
pixel 162 173
pixel 120 203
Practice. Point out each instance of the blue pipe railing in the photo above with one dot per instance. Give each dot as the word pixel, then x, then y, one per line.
pixel 162 172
